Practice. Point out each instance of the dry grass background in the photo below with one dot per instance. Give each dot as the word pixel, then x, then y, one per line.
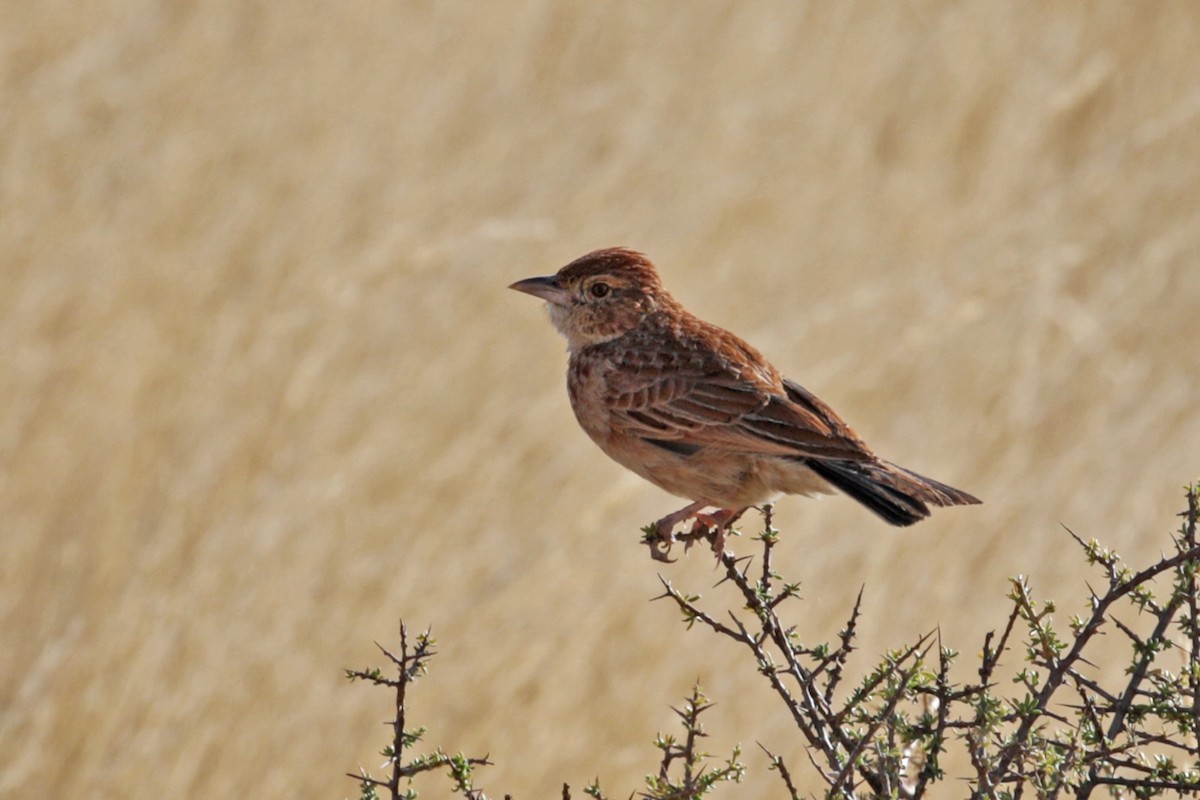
pixel 264 391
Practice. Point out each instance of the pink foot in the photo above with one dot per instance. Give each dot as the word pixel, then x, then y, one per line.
pixel 714 526
pixel 664 531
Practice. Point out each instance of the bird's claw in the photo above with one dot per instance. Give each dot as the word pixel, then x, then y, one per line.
pixel 709 527
pixel 659 550
pixel 659 541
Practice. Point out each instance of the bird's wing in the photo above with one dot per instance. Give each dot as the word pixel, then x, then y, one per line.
pixel 690 397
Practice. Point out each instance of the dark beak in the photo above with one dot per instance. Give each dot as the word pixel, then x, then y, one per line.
pixel 546 287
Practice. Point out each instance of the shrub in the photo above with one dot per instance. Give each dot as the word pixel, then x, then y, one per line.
pixel 1055 729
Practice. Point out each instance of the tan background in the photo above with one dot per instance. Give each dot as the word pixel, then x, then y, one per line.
pixel 263 390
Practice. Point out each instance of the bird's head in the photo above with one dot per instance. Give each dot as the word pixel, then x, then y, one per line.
pixel 599 296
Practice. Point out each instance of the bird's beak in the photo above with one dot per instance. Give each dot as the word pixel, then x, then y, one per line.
pixel 546 287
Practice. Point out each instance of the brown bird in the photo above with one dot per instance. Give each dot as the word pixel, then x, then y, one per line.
pixel 698 412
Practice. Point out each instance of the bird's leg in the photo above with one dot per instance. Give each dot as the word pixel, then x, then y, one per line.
pixel 660 543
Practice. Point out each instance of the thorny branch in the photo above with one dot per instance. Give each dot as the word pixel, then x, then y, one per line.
pixel 410 665
pixel 1067 729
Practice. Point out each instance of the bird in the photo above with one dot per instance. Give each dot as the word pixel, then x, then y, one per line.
pixel 698 412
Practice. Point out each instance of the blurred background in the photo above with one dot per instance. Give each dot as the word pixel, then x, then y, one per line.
pixel 264 391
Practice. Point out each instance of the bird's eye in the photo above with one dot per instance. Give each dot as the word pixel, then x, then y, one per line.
pixel 600 289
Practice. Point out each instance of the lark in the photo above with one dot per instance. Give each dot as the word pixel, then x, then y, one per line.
pixel 700 413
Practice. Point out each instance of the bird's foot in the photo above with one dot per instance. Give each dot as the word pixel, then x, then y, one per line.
pixel 661 535
pixel 659 539
pixel 712 527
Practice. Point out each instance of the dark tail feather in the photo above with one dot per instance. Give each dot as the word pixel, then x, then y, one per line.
pixel 896 494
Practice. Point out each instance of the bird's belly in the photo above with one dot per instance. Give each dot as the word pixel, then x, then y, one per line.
pixel 722 478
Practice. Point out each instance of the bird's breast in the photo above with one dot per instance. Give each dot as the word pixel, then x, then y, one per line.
pixel 587 389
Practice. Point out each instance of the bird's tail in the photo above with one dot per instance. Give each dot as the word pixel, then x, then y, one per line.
pixel 896 494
